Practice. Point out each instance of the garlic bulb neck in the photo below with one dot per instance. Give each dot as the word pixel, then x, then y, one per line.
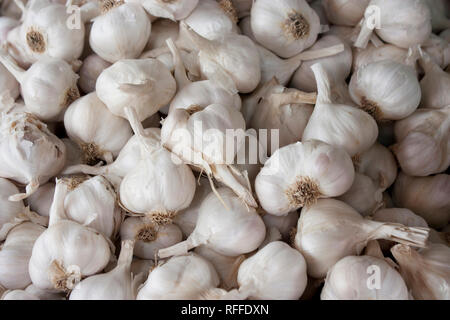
pixel 106 5
pixel 229 8
pixel 64 278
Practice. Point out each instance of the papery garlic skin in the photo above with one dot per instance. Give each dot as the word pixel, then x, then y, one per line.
pixel 425 196
pixel 10 88
pixel 108 39
pixel 400 215
pixel 44 294
pixel 174 10
pixel 184 277
pixel 30 153
pixel 439 14
pixel 286 28
pixel 345 12
pixel 92 66
pixel 385 89
pixel 149 237
pixel 348 279
pixel 434 86
pixel 146 85
pixel 425 271
pixel 18 295
pixel 98 132
pixel 265 275
pixel 42 199
pixel 300 173
pixel 15 254
pixel 9 209
pixel 340 125
pixel 162 29
pixel 423 142
pixel 371 54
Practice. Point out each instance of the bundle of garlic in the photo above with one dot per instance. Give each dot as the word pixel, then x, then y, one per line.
pixel 426 271
pixel 333 224
pixel 31 154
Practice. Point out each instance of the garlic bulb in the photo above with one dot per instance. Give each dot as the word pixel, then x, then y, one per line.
pixel 149 235
pixel 146 85
pixel 404 23
pixel 373 54
pixel 200 139
pixel 226 267
pixel 47 87
pixel 42 199
pixel 387 90
pixel 439 14
pixel 44 294
pixel 426 271
pixel 245 26
pixel 120 32
pixel 30 153
pixel 186 219
pixel 184 277
pixel 400 215
pixel 284 224
pixel 425 196
pixel 233 61
pixel 92 66
pixel 211 21
pixel 276 272
pixel 286 27
pixel 174 10
pixel 345 12
pixel 66 251
pixel 363 278
pixel 99 133
pixel 15 254
pixel 45 33
pixel 17 49
pixel 224 225
pixel 434 85
pixel 337 66
pixel 423 142
pixel 117 284
pixel 92 202
pixel 365 196
pixel 298 174
pixel 18 295
pixel 333 224
pixel 379 164
pixel 162 29
pixel 340 125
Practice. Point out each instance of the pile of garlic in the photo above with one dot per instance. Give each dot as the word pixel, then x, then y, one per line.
pixel 119 178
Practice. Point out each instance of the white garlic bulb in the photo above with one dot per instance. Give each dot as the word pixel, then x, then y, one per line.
pixel 363 57
pixel 350 279
pixel 15 254
pixel 149 235
pixel 286 27
pixel 379 164
pixel 45 32
pixel 337 66
pixel 47 87
pixel 426 272
pixel 233 61
pixel 284 224
pixel 385 89
pixel 275 272
pixel 30 154
pixel 425 196
pixel 174 9
pixel 66 251
pixel 92 66
pixel 298 174
pixel 340 125
pixel 18 295
pixel 42 199
pixel 224 225
pixel 116 284
pixel 162 29
pixel 345 12
pixel 120 32
pixel 184 277
pixel 333 224
pixel 404 23
pixel 423 142
pixel 434 85
pixel 145 85
pixel 99 133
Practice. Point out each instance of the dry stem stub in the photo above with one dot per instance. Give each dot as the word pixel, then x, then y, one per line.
pixel 74 181
pixel 228 7
pixel 193 109
pixel 91 153
pixel 296 25
pixel 36 41
pixel 303 192
pixel 153 221
pixel 106 5
pixel 70 96
pixel 61 278
pixel 371 108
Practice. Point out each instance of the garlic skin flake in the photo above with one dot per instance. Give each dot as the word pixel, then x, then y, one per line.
pixel 348 279
pixel 423 142
pixel 31 154
pixel 333 224
pixel 116 284
pixel 387 90
pixel 342 126
pixel 286 27
pixel 184 277
pixel 275 272
pixel 298 174
pixel 121 32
